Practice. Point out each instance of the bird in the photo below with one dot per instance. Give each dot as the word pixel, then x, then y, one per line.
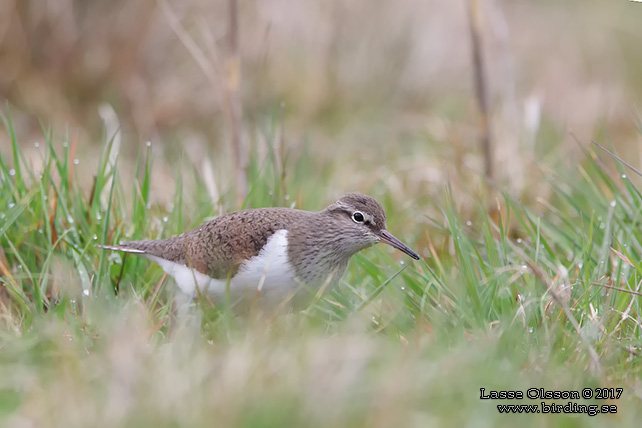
pixel 273 255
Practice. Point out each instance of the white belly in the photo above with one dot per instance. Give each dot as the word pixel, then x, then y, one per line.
pixel 269 275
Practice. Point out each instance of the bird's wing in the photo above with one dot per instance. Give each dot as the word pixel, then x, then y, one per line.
pixel 218 247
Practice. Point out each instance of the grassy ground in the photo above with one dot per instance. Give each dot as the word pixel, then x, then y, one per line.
pixel 513 295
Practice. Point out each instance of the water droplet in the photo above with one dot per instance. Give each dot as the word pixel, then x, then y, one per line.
pixel 623 176
pixel 65 144
pixel 45 198
pixel 287 197
pixel 2 215
pixel 12 172
pixel 613 203
pixel 148 144
pixel 40 231
pixel 85 292
pixel 530 329
pixel 169 207
pixel 580 264
pixel 148 206
pixel 76 161
pixel 402 263
pixel 95 237
pixel 519 240
pixel 11 205
pixel 70 220
pixel 469 223
pixel 98 216
pixel 165 218
pixel 36 144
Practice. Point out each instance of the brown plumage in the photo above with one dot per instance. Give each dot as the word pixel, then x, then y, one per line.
pixel 319 244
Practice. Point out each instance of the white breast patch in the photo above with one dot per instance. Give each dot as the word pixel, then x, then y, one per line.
pixel 269 272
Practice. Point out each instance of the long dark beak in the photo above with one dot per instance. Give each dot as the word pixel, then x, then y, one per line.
pixel 388 238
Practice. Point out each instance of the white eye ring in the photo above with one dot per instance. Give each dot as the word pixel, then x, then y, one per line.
pixel 358 217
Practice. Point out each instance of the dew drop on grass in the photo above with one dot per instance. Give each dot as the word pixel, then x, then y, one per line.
pixel 623 176
pixel 11 205
pixel 402 263
pixel 403 288
pixel 148 206
pixel 70 220
pixel 95 237
pixel 519 240
pixel 36 144
pixel 580 264
pixel 65 144
pixel 12 172
pixel 98 216
pixel 44 198
pixel 469 223
pixel 286 197
pixel 613 203
pixel 76 161
pixel 148 144
pixel 85 292
pixel 530 329
pixel 40 231
pixel 169 207
pixel 165 219
pixel 2 215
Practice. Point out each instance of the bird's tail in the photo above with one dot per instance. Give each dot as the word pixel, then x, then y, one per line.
pixel 123 248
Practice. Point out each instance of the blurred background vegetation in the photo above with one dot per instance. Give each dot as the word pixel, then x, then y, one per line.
pixel 322 98
pixel 360 82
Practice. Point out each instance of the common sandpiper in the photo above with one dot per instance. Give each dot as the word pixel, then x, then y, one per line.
pixel 270 255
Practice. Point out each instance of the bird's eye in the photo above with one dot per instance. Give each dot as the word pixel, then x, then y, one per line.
pixel 358 217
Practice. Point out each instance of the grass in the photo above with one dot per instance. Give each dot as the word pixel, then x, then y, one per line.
pixel 524 295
